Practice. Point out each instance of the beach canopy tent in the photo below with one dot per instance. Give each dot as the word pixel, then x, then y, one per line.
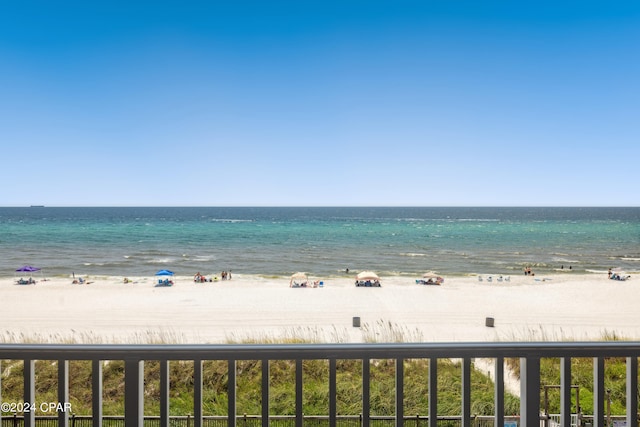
pixel 429 278
pixel 367 275
pixel 165 282
pixel 298 279
pixel 367 278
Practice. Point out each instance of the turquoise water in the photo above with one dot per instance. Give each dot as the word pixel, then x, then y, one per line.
pixel 324 241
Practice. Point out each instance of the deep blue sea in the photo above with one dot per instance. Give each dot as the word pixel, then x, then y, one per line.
pixel 272 241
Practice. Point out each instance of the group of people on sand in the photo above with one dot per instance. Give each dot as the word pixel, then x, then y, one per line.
pixel 199 278
pixel 528 272
pixel 614 275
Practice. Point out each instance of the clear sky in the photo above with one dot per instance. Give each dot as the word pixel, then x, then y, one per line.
pixel 435 103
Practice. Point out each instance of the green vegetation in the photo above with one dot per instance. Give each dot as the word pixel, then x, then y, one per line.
pixel 249 375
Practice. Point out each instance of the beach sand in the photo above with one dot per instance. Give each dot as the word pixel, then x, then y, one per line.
pixel 565 306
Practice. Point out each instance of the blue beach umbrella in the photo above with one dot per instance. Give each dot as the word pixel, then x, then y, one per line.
pixel 164 273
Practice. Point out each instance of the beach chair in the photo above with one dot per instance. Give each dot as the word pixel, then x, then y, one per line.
pixel 479 278
pixel 489 279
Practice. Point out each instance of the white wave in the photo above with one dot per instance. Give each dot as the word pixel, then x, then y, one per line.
pixel 630 259
pixel 160 261
pixel 413 254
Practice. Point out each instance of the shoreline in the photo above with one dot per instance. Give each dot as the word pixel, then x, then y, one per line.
pixel 555 307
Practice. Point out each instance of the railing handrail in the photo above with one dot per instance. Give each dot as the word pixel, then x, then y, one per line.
pixel 306 351
pixel 530 354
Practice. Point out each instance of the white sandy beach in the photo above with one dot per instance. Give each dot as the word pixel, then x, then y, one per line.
pixel 556 307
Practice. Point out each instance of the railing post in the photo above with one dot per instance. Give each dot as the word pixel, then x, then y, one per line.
pixel 530 391
pixel 399 392
pixel 433 392
pixel 366 391
pixel 499 393
pixel 598 392
pixel 466 392
pixel 133 393
pixel 265 392
pixel 565 392
pixel 299 388
pixel 231 393
pixel 96 392
pixel 29 392
pixel 632 392
pixel 63 392
pixel 197 393
pixel 164 393
pixel 333 393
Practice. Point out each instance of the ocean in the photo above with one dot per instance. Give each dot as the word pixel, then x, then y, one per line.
pixel 277 241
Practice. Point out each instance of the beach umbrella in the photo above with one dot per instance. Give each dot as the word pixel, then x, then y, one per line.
pixel 164 273
pixel 430 275
pixel 367 275
pixel 28 269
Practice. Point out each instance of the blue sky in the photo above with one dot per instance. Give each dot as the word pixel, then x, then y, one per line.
pixel 436 103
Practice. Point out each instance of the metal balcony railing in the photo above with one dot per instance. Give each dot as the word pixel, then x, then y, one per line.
pixel 529 354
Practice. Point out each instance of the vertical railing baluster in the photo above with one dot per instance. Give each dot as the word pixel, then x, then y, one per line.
pixel 632 392
pixel 299 385
pixel 96 392
pixel 63 392
pixel 433 392
pixel 165 386
pixel 366 392
pixel 399 392
pixel 29 392
pixel 530 391
pixel 133 393
pixel 598 392
pixel 265 392
pixel 333 393
pixel 499 392
pixel 565 392
pixel 197 393
pixel 231 393
pixel 466 392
